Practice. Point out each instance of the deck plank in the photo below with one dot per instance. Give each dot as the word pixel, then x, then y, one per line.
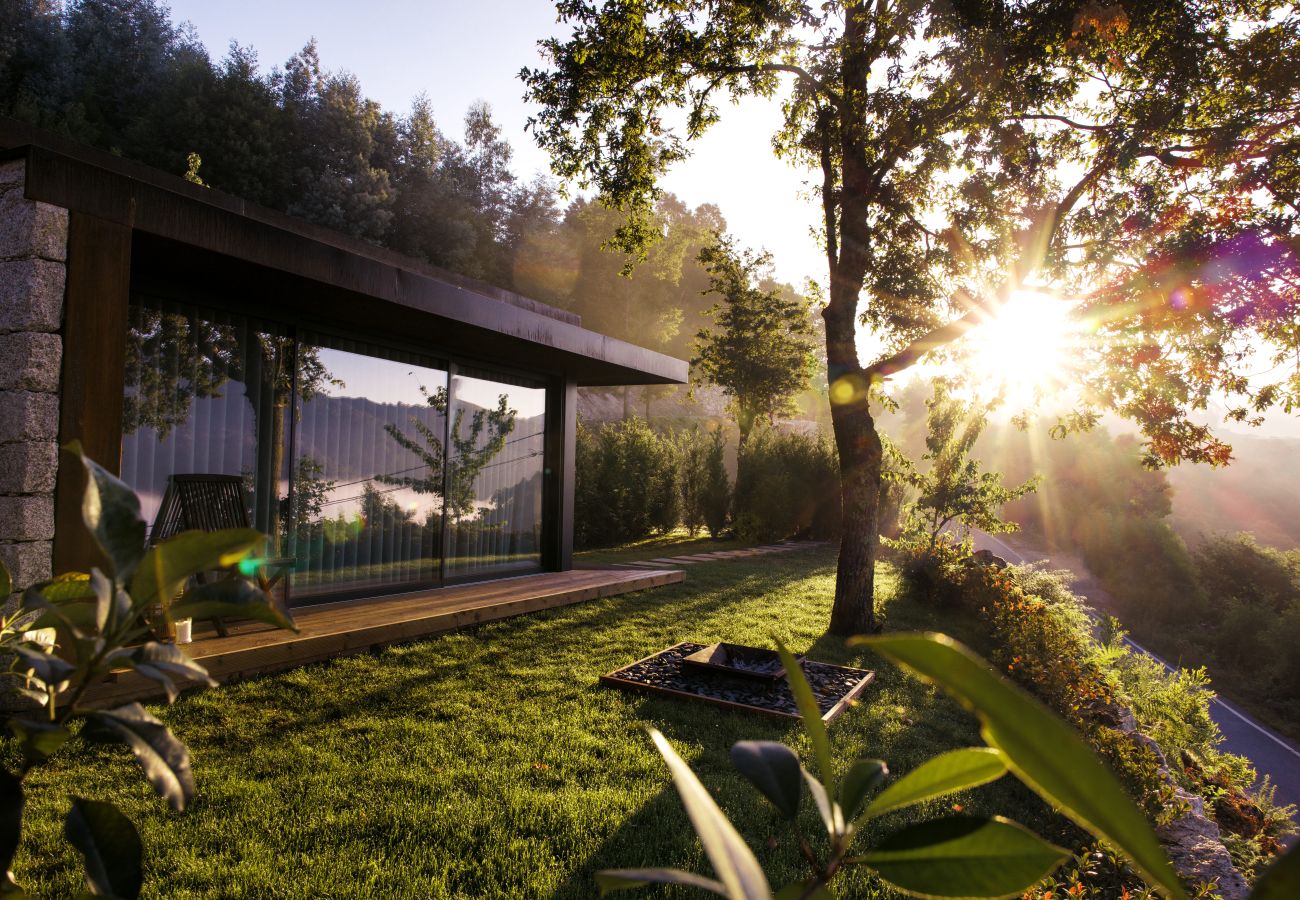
pixel 353 626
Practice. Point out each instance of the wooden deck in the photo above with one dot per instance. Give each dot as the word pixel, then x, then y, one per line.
pixel 333 629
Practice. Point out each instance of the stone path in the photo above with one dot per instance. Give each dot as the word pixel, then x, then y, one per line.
pixel 717 555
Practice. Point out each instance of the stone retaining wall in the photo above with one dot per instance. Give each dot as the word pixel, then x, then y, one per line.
pixel 33 254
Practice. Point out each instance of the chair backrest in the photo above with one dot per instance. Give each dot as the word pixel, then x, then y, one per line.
pixel 202 503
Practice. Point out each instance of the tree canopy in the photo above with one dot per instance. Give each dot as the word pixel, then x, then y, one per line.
pixel 1138 156
pixel 759 349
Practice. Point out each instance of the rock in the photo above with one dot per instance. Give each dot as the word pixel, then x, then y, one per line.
pixel 28 416
pixel 27 518
pixel 30 361
pixel 29 467
pixel 31 295
pixel 1195 847
pixel 988 558
pixel 27 562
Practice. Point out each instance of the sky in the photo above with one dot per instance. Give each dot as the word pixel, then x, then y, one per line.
pixel 460 52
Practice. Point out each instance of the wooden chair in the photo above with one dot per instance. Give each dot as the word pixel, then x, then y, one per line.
pixel 204 502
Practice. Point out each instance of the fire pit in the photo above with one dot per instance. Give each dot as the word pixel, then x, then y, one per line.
pixel 737 661
pixel 752 686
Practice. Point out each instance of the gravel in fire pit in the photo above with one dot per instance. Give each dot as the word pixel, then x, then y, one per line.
pixel 833 686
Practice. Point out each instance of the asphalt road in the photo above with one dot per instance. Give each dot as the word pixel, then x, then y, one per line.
pixel 1270 753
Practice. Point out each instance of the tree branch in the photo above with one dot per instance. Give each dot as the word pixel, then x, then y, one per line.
pixel 760 68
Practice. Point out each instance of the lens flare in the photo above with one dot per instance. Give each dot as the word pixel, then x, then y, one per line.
pixel 1023 351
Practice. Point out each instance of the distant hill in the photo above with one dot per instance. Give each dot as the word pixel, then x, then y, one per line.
pixel 1259 492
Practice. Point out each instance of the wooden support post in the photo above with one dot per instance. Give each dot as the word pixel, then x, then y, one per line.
pixel 94 364
pixel 561 451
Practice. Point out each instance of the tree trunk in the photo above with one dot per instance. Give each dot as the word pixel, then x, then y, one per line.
pixel 627 402
pixel 860 453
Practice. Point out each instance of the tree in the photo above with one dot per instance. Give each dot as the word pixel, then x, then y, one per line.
pixel 955 489
pixel 455 479
pixel 1139 154
pixel 760 354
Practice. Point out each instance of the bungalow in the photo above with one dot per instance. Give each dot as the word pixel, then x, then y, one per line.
pixel 394 429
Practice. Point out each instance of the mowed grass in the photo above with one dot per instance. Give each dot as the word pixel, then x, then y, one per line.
pixel 490 763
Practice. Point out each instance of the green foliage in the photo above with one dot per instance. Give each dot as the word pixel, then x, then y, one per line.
pixel 1041 749
pixel 102 623
pixel 627 483
pixel 760 350
pixel 959 856
pixel 705 486
pixel 471 451
pixel 954 489
pixel 786 484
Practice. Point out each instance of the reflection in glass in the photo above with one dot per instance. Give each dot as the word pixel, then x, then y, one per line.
pixel 494 474
pixel 206 393
pixel 367 504
pixel 363 464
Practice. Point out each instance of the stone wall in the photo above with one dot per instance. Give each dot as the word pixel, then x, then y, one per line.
pixel 33 253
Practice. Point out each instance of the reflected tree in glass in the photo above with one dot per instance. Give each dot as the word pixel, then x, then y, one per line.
pixel 178 355
pixel 471 452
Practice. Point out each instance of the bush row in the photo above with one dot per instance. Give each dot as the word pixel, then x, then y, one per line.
pixel 634 481
pixel 1043 637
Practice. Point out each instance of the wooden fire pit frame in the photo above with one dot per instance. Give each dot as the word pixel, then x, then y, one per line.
pixel 613 680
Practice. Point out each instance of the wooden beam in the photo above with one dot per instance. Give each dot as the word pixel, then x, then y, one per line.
pixel 94 365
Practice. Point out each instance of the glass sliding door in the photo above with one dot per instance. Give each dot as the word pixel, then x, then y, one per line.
pixel 206 393
pixel 368 469
pixel 371 469
pixel 497 437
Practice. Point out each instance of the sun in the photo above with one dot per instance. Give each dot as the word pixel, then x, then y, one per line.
pixel 1024 351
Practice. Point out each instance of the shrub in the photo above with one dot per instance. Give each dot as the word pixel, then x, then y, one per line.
pixel 1237 567
pixel 702 475
pixel 786 484
pixel 627 484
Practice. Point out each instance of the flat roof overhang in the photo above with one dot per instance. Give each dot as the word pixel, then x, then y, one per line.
pixel 186 229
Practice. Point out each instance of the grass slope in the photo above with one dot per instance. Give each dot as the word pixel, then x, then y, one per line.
pixel 489 763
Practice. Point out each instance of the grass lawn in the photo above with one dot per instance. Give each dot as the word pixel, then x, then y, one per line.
pixel 674 543
pixel 489 763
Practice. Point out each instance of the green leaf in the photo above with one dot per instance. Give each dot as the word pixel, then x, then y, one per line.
pixel 111 511
pixel 811 714
pixel 110 846
pixel 162 662
pixel 51 670
pixel 774 769
pixel 165 760
pixel 70 587
pixel 944 774
pixel 610 880
pixel 39 740
pixel 231 598
pixel 1041 749
pixel 863 777
pixel 733 861
pixel 964 856
pixel 11 816
pixel 832 815
pixel 1281 880
pixel 166 566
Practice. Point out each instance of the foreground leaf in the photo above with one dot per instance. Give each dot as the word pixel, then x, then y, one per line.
pixel 110 846
pixel 733 861
pixel 11 817
pixel 1042 750
pixel 166 566
pixel 774 769
pixel 863 777
pixel 165 760
pixel 1280 881
pixel 952 771
pixel 111 511
pixel 163 662
pixel 830 812
pixel 964 857
pixel 231 598
pixel 611 880
pixel 39 740
pixel 811 714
